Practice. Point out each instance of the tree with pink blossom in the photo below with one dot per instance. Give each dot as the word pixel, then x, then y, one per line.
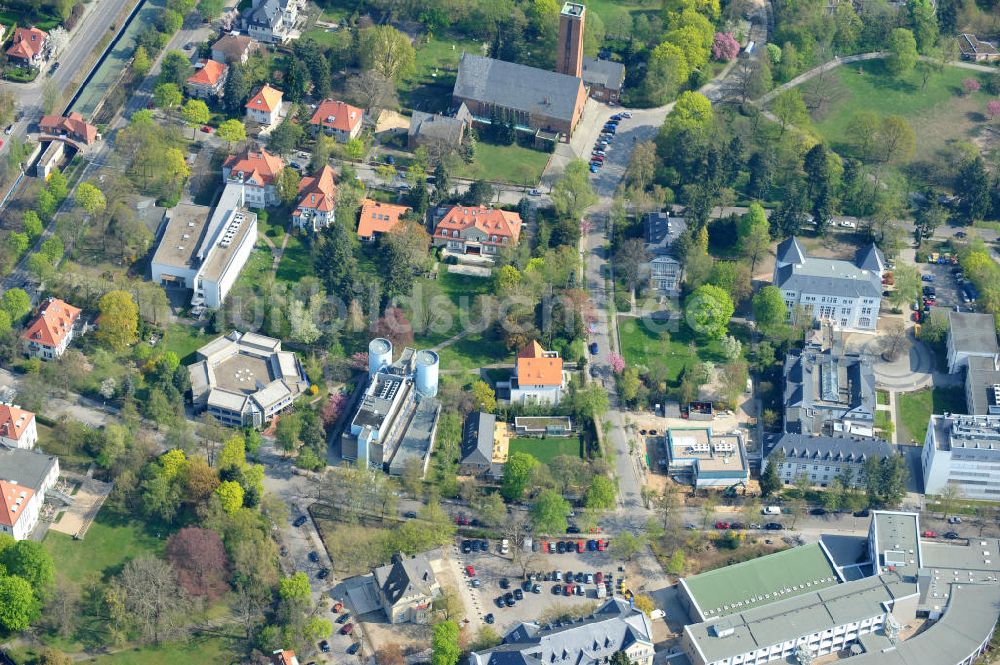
pixel 360 360
pixel 617 363
pixel 333 408
pixel 725 47
pixel 993 109
pixel 971 85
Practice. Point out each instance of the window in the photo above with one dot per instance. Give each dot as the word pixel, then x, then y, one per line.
pixel 865 322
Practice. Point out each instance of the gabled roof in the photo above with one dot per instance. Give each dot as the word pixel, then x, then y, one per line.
pixel 267 99
pixel 13 500
pixel 491 221
pixel 509 85
pixel 233 46
pixel 54 321
pixel 318 192
pixel 870 258
pixel 336 114
pixel 378 217
pixel 477 438
pixel 970 45
pixel 405 576
pixel 605 73
pixel 209 73
pixel 267 14
pixel 538 367
pixel 791 251
pixel 27 43
pixel 831 448
pixel 436 126
pixel 13 421
pixel 260 167
pixel 284 657
pixel 72 125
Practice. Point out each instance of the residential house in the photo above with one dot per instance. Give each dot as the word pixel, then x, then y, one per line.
pixel 48 335
pixel 407 588
pixel 258 171
pixel 477 230
pixel 829 391
pixel 208 80
pixel 604 79
pixel 17 427
pixel 284 657
pixel 26 476
pixel 971 335
pixel 591 640
pixel 272 21
pixel 476 458
pixel 28 47
pixel 264 106
pixel 338 119
pixel 665 271
pixel 846 294
pixel 976 50
pixel 377 218
pixel 317 201
pixel 538 377
pixel 528 97
pixel 234 49
pixel 71 126
pixel 434 129
pixel 822 459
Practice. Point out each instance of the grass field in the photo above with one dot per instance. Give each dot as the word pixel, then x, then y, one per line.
pixel 914 410
pixel 939 112
pixel 108 545
pixel 182 340
pixel 457 296
pixel 295 261
pixel 642 346
pixel 258 265
pixel 544 450
pixel 881 397
pixel 472 352
pixel 212 649
pixel 505 163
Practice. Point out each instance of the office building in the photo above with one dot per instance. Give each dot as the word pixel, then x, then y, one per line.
pixel 971 335
pixel 706 459
pixel 964 451
pixel 822 459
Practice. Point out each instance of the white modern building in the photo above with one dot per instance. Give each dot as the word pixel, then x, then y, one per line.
pixel 846 294
pixel 963 451
pixel 244 379
pixel 273 21
pixel 17 427
pixel 25 477
pixel 205 252
pixel 971 335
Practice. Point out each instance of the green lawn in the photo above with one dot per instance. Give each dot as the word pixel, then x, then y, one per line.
pixel 544 450
pixel 938 113
pixel 182 340
pixel 617 15
pixel 457 296
pixel 257 267
pixel 45 21
pixel 295 262
pixel 212 649
pixel 915 409
pixel 643 346
pixel 883 420
pixel 109 544
pixel 505 163
pixel 473 352
pixel 881 397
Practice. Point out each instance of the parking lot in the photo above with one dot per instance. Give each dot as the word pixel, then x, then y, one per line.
pixel 947 289
pixel 491 568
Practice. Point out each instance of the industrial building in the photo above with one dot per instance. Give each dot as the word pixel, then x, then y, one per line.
pixel 397 416
pixel 705 459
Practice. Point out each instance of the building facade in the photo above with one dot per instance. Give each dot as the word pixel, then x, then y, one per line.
pixel 707 459
pixel 49 334
pixel 478 231
pixel 257 171
pixel 17 427
pixel 604 79
pixel 71 126
pixel 407 588
pixel 829 392
pixel 963 451
pixel 538 377
pixel 569 49
pixel 317 204
pixel 26 476
pixel 846 294
pixel 337 119
pixel 478 433
pixel 28 47
pixel 208 80
pixel 971 335
pixel 377 218
pixel 264 106
pixel 823 459
pixel 233 48
pixel 273 21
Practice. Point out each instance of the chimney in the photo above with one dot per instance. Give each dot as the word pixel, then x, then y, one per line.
pixel 569 49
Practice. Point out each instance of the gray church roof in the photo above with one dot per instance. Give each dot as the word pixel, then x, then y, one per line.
pixel 509 85
pixel 832 448
pixel 861 278
pixel 590 640
pixel 604 73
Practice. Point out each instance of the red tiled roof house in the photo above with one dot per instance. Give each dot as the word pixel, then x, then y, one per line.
pixel 17 427
pixel 264 106
pixel 477 230
pixel 338 119
pixel 208 80
pixel 317 201
pixel 25 477
pixel 51 331
pixel 28 47
pixel 284 657
pixel 72 126
pixel 258 171
pixel 538 376
pixel 377 218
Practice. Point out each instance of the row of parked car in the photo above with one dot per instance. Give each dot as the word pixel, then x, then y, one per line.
pixel 570 546
pixel 604 141
pixel 769 526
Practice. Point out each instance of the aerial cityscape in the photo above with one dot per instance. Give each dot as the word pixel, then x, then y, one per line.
pixel 499 332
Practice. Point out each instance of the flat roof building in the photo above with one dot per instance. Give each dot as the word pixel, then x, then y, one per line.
pixel 982 386
pixel 244 379
pixel 971 335
pixel 707 459
pixel 963 450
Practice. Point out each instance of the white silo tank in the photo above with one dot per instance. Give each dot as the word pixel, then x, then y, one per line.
pixel 379 355
pixel 427 373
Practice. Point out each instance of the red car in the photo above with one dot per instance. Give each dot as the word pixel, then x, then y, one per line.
pixel 207 129
pixel 581 547
pixel 602 544
pixel 470 571
pixel 568 590
pixel 461 520
pixel 346 630
pixel 599 578
pixel 916 317
pixel 722 525
pixel 929 534
pixel 596 158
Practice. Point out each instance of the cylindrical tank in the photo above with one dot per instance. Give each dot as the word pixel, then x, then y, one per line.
pixel 379 355
pixel 427 373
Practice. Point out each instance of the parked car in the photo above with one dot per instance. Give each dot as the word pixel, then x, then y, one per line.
pixel 774 526
pixel 954 519
pixel 737 525
pixel 848 224
pixel 489 618
pixel 475 583
pixel 508 599
pixel 951 535
pixel 929 534
pixel 344 617
pixel 519 594
pixel 722 525
pixel 818 511
pixel 626 114
pixel 597 158
pixel 572 528
pixel 599 578
pixel 353 649
pixel 323 574
pixel 593 168
pixel 466 546
pixel 862 513
pixel 535 192
pixel 927 278
pixel 594 348
pixel 313 557
pixel 324 646
pixel 499 601
pixel 568 590
pixel 470 571
pixel 601 544
pixel 561 547
pixel 557 576
pixel 410 515
pixel 346 629
pixel 207 129
pixel 536 588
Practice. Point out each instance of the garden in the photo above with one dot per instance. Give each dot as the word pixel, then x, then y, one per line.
pixel 546 449
pixel 914 410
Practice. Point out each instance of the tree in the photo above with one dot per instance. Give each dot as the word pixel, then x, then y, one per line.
pixel 167 95
pixel 444 644
pixel 970 85
pixel 286 136
pixel 972 187
pixel 819 184
pixel 572 194
pixel 231 131
pixel 195 114
pixel 390 654
pixel 549 513
pixel 666 72
pixel 288 185
pixel 630 260
pixel 620 657
pixel 708 310
pixel 725 47
pixel 28 560
pixel 118 323
pixel 479 193
pixel 895 140
pixel 230 493
pixel 769 308
pixel 893 340
pixel 333 258
pixel 386 51
pixel 517 473
pixel 18 605
pixel 601 494
pixel 484 397
pixel 644 604
pixel 200 560
pixel 923 19
pixel 902 47
pixel 949 497
pixel 32 224
pixel 141 63
pixel 754 234
pixel 152 597
pixel 627 545
pixel 53 656
pixel 372 91
pixel 907 283
pixel 791 109
pixel 769 480
pixel 993 109
pixel 16 302
pixel 210 9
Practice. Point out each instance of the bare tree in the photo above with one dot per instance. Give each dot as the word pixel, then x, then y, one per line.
pixel 893 340
pixel 373 91
pixel 154 599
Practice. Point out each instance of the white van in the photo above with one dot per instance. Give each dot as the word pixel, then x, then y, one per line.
pixel 771 510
